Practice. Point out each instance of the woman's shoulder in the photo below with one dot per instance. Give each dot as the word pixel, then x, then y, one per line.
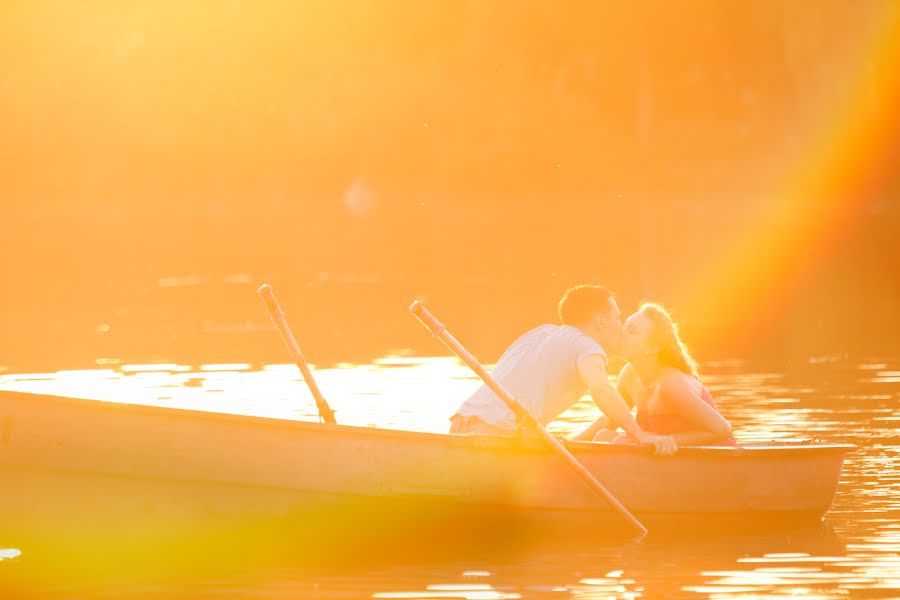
pixel 628 373
pixel 629 376
pixel 675 380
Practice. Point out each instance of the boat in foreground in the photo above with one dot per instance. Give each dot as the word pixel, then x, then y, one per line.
pixel 73 465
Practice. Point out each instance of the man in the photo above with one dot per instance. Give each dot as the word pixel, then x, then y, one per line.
pixel 551 367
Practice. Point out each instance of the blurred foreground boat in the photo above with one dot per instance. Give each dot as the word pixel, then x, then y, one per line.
pixel 78 466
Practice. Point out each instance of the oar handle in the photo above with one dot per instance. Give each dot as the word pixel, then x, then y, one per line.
pixel 268 298
pixel 437 328
pixel 418 310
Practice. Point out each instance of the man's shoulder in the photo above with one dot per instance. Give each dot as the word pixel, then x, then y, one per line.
pixel 559 340
pixel 581 341
pixel 546 328
pixel 539 333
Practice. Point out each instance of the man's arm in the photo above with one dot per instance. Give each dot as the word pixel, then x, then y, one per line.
pixel 592 370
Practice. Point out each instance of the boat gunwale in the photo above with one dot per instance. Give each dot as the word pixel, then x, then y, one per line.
pixel 517 443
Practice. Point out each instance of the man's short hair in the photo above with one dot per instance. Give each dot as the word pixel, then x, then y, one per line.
pixel 582 302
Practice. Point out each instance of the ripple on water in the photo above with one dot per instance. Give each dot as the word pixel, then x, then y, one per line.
pixel 9 553
pixel 861 556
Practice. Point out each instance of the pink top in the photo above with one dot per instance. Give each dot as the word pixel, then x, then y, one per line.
pixel 664 423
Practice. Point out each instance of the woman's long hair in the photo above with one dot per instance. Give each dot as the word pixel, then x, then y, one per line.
pixel 672 351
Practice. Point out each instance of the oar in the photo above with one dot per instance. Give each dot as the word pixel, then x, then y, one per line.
pixel 438 329
pixel 325 412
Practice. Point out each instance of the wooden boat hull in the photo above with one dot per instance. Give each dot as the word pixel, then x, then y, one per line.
pixel 75 465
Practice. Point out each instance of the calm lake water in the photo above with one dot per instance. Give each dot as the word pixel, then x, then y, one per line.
pixel 854 554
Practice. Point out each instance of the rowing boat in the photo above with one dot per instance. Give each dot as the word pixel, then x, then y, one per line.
pixel 67 462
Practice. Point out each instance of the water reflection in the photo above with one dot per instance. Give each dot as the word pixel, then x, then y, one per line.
pixel 857 552
pixel 8 553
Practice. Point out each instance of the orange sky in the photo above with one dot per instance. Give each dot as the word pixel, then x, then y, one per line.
pixel 724 157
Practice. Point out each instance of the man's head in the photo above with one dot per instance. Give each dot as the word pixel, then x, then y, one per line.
pixel 593 309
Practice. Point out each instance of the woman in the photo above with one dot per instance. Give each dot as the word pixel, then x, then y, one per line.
pixel 661 382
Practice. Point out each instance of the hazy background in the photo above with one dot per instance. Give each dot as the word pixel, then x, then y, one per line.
pixel 737 160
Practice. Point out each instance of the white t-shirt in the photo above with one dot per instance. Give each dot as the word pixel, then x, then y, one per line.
pixel 540 370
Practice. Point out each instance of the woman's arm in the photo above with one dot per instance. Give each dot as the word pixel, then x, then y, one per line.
pixel 679 397
pixel 593 429
pixel 592 370
pixel 625 383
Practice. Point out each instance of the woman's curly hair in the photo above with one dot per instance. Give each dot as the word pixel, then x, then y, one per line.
pixel 672 351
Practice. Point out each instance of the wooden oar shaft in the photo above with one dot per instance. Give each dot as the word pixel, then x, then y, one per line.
pixel 268 297
pixel 440 331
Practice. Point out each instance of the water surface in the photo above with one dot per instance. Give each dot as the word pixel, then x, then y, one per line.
pixel 855 553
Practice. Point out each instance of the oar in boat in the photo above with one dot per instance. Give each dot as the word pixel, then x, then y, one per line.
pixel 438 329
pixel 265 291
